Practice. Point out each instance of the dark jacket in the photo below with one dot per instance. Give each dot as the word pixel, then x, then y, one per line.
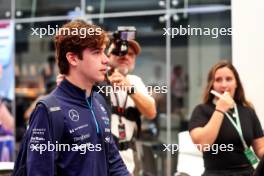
pixel 87 147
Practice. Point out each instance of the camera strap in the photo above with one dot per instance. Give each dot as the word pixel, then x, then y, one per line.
pixel 121 126
pixel 120 109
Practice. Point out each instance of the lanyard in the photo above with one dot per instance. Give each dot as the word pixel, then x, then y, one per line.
pixel 237 125
pixel 118 105
pixel 247 152
pixel 91 108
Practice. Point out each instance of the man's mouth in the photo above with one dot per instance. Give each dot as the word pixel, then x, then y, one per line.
pixel 123 62
pixel 103 70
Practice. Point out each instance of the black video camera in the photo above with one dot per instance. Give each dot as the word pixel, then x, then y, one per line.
pixel 119 42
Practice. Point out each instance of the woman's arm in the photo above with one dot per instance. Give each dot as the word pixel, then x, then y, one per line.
pixel 258 146
pixel 208 133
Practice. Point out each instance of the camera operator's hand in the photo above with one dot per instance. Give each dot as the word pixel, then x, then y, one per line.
pixel 118 79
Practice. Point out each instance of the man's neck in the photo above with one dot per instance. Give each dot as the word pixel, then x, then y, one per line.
pixel 81 83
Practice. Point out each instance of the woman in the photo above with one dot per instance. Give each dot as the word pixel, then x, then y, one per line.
pixel 225 125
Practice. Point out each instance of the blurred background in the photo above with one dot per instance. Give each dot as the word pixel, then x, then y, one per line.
pixel 180 63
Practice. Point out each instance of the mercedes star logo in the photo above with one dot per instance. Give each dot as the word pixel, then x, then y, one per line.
pixel 74 115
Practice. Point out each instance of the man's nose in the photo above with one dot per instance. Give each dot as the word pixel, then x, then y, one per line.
pixel 124 57
pixel 105 59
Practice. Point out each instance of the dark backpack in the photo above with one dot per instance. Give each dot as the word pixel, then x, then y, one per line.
pixel 56 123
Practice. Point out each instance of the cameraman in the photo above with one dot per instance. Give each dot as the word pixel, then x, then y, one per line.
pixel 128 102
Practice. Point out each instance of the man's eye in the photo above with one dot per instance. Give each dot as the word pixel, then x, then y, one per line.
pixel 96 52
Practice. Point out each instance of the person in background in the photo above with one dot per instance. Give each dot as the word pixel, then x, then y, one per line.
pixel 179 88
pixel 6 119
pixel 49 73
pixel 128 102
pixel 7 123
pixel 226 121
pixel 48 80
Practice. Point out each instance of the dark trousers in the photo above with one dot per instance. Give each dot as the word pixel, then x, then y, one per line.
pixel 230 172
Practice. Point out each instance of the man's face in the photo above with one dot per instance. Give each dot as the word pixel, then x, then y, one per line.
pixel 93 65
pixel 126 62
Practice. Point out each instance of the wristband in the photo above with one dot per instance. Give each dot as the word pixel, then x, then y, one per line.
pixel 220 111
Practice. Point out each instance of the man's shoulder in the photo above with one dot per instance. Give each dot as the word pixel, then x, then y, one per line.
pixel 46 102
pixel 133 77
pixel 38 114
pixel 99 97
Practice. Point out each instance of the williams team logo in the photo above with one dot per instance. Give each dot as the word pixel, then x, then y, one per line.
pixel 74 115
pixel 102 108
pixel 107 139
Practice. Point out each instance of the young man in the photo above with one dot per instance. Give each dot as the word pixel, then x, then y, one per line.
pixel 127 103
pixel 80 57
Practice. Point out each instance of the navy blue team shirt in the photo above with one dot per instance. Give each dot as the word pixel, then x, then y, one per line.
pixel 87 147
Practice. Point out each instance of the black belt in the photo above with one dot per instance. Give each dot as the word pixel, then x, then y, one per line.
pixel 124 145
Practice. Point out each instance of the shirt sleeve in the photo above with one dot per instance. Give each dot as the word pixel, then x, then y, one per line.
pixel 116 165
pixel 199 117
pixel 40 156
pixel 256 125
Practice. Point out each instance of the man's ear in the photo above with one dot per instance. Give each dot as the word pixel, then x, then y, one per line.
pixel 72 58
